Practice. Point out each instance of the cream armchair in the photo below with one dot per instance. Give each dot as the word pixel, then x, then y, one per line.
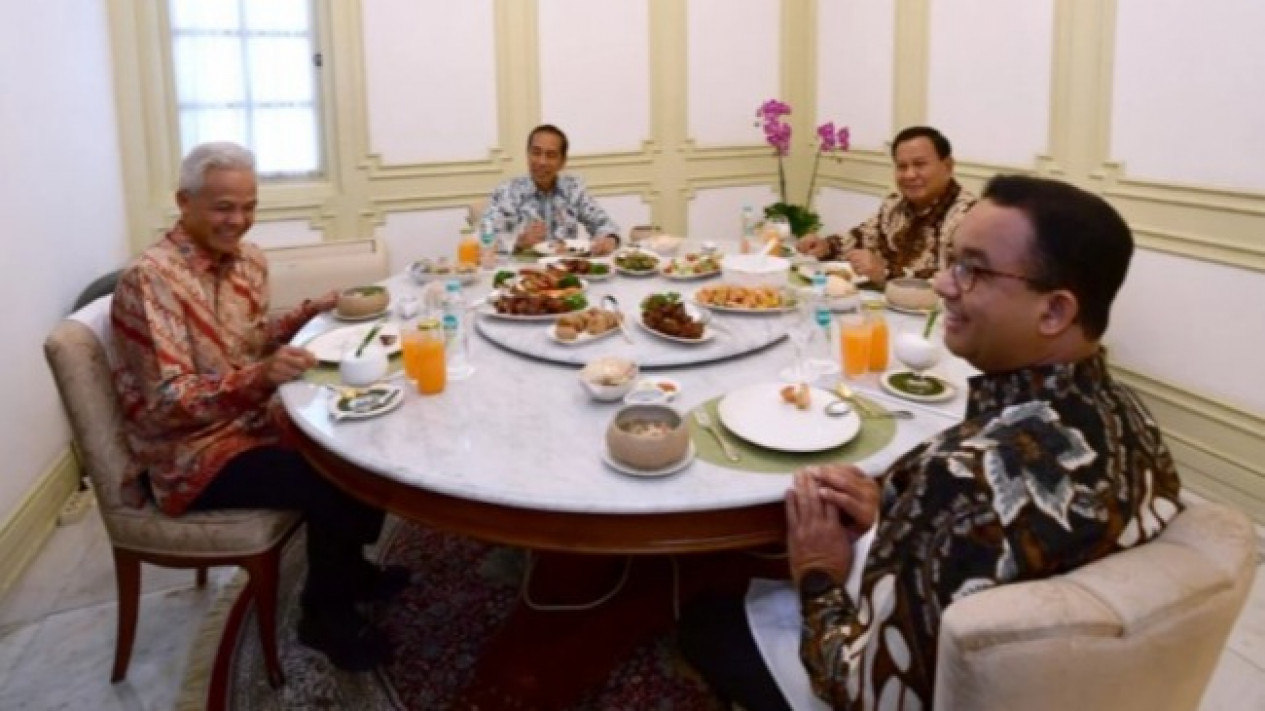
pixel 252 539
pixel 1141 629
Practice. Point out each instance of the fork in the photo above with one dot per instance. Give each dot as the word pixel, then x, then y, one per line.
pixel 705 421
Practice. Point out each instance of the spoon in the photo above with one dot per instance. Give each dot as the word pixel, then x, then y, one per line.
pixel 863 409
pixel 610 303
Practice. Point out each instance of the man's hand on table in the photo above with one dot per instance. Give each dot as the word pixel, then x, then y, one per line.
pixel 816 537
pixel 532 234
pixel 854 494
pixel 603 245
pixel 326 301
pixel 813 245
pixel 287 363
pixel 868 264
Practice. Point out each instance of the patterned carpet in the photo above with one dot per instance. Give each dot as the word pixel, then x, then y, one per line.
pixel 438 627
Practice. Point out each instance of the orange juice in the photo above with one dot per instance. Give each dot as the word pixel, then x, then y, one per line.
pixel 878 342
pixel 468 250
pixel 427 358
pixel 855 344
pixel 411 343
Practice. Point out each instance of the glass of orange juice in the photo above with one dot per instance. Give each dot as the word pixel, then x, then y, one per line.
pixel 880 347
pixel 468 248
pixel 855 335
pixel 424 356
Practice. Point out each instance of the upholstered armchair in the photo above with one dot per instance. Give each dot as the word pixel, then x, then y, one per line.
pixel 1138 630
pixel 251 539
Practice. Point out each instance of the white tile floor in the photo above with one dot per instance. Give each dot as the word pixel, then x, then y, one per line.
pixel 57 634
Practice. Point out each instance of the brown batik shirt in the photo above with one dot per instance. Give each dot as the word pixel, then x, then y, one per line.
pixel 913 243
pixel 1054 467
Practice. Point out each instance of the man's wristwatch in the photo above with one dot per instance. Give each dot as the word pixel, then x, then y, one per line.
pixel 815 583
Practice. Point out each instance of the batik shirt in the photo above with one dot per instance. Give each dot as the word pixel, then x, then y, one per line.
pixel 1054 467
pixel 913 243
pixel 191 330
pixel 562 209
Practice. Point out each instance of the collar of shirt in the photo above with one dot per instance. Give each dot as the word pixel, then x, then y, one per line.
pixel 999 390
pixel 201 260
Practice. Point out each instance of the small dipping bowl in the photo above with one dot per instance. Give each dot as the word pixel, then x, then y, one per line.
pixel 609 378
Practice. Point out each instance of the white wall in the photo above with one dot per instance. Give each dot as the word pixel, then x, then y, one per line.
pixel 62 203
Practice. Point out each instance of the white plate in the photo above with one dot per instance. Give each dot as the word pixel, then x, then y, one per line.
pixel 355 319
pixel 582 338
pixel 841 269
pixel 672 468
pixel 947 394
pixel 568 248
pixel 421 276
pixel 637 272
pixel 758 414
pixel 708 334
pixel 663 266
pixel 328 347
pixel 491 312
pixel 610 271
pixel 360 403
pixel 741 309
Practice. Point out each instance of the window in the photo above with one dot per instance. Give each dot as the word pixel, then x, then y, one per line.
pixel 248 71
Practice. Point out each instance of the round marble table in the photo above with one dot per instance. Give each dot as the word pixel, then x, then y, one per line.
pixel 513 454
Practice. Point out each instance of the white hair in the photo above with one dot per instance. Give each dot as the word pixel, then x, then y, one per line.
pixel 207 156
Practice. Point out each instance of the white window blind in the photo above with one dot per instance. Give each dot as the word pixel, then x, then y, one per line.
pixel 247 71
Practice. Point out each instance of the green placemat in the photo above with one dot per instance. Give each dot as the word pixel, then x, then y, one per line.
pixel 875 434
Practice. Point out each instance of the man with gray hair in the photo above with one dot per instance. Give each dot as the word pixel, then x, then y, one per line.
pixel 199 362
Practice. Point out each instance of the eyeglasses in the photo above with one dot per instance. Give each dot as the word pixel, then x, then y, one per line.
pixel 965 274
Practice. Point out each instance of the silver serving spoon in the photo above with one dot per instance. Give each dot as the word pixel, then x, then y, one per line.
pixel 610 303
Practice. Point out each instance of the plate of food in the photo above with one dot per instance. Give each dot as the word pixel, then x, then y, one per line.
pixel 358 403
pixel 562 248
pixel 580 328
pixel 733 298
pixel 532 307
pixel 587 268
pixel 329 347
pixel 535 280
pixel 666 316
pixel 691 266
pixel 636 262
pixel 426 270
pixel 787 418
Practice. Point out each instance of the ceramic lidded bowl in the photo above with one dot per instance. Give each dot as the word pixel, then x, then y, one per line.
pixel 362 301
pixel 910 293
pixel 647 436
pixel 608 378
pixel 755 270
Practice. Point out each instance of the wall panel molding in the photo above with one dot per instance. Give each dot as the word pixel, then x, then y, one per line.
pixel 23 533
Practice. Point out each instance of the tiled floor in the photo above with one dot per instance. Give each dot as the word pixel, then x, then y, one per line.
pixel 57 634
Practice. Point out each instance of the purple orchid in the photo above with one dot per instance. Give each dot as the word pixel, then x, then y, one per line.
pixel 777 133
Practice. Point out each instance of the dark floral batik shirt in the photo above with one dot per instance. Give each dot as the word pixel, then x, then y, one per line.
pixel 1053 467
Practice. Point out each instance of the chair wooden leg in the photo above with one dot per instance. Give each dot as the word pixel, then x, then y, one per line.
pixel 202 577
pixel 127 573
pixel 264 570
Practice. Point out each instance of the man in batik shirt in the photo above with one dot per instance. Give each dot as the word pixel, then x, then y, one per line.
pixel 913 230
pixel 199 363
pixel 546 204
pixel 1055 465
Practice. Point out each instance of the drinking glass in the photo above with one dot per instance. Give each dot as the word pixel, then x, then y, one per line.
pixel 777 229
pixel 919 354
pixel 804 333
pixel 507 237
pixel 855 337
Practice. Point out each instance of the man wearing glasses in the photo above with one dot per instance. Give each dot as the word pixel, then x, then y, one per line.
pixel 547 205
pixel 913 230
pixel 1055 465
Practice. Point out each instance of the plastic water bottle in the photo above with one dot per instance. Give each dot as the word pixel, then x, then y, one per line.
pixel 456 333
pixel 487 237
pixel 748 230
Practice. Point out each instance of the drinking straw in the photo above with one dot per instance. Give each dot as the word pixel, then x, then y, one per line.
pixel 931 320
pixel 373 332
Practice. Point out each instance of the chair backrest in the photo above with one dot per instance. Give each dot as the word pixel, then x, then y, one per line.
pixel 81 370
pixel 302 272
pixel 1139 629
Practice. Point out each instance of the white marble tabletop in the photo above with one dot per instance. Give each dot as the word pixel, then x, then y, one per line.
pixel 522 432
